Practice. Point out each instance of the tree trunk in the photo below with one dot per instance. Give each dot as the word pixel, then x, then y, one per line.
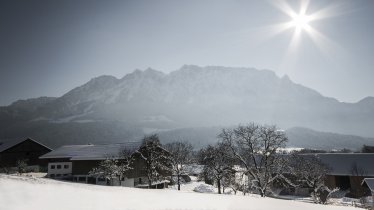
pixel 179 182
pixel 262 193
pixel 219 186
pixel 149 183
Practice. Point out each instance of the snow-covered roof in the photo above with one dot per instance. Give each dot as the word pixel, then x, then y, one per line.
pixel 9 143
pixel 349 164
pixel 370 183
pixel 91 152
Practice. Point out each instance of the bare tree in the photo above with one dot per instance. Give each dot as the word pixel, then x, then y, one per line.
pixel 114 167
pixel 230 180
pixel 181 154
pixel 125 161
pixel 308 171
pixel 217 163
pixel 107 168
pixel 156 158
pixel 255 148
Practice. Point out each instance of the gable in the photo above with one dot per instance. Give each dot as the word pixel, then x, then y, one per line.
pixel 20 145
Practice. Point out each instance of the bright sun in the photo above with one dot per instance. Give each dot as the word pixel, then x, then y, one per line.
pixel 300 21
pixel 303 21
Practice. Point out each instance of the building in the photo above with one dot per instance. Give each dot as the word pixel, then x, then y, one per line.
pixel 348 170
pixel 74 162
pixel 369 183
pixel 25 149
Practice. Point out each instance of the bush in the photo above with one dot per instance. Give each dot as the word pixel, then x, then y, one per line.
pixel 21 166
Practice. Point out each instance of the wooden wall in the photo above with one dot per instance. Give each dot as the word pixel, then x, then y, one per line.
pixel 27 150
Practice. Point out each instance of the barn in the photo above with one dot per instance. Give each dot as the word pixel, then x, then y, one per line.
pixel 26 149
pixel 74 162
pixel 348 170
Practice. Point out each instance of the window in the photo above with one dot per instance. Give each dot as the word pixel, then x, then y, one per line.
pixel 65 174
pixel 52 166
pixel 66 166
pixel 58 166
pixel 58 175
pixel 52 176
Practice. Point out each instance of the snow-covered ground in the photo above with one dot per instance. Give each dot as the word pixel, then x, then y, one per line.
pixel 20 193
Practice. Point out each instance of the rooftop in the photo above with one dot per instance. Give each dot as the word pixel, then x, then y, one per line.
pixel 349 164
pixel 370 183
pixel 9 143
pixel 91 152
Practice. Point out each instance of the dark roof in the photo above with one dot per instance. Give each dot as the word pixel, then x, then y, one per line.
pixel 344 164
pixel 9 143
pixel 91 152
pixel 370 183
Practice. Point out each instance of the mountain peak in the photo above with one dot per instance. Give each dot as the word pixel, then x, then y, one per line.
pixel 146 71
pixel 101 81
pixel 153 72
pixel 103 78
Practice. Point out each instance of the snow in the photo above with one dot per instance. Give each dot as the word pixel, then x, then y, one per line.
pixel 290 149
pixel 22 192
pixel 204 188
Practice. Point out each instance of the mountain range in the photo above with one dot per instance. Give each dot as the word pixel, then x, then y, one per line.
pixel 107 109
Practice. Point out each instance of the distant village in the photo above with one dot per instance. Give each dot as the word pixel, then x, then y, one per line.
pixel 247 159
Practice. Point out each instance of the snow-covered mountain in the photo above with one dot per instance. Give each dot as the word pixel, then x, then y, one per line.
pixel 192 96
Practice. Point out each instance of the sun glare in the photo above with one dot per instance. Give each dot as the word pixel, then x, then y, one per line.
pixel 300 21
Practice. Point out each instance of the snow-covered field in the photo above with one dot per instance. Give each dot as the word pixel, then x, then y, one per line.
pixel 21 193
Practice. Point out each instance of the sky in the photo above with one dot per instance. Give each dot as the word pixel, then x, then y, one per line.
pixel 48 47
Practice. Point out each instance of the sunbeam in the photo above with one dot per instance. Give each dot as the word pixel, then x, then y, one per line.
pixel 301 22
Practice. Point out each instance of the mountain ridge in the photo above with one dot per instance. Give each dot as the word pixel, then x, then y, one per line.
pixel 192 96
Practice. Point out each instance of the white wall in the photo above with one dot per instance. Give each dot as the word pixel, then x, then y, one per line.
pixel 59 169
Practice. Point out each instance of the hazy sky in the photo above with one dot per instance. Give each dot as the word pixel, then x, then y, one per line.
pixel 49 47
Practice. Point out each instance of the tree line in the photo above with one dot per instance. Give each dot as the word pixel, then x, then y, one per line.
pixel 247 158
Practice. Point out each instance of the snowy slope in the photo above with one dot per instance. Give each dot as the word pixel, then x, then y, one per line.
pixel 19 193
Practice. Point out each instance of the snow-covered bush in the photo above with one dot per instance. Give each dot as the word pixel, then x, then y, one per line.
pixel 204 188
pixel 323 194
pixel 21 166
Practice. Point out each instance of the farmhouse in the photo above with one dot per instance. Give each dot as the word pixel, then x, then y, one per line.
pixel 25 149
pixel 348 170
pixel 74 162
